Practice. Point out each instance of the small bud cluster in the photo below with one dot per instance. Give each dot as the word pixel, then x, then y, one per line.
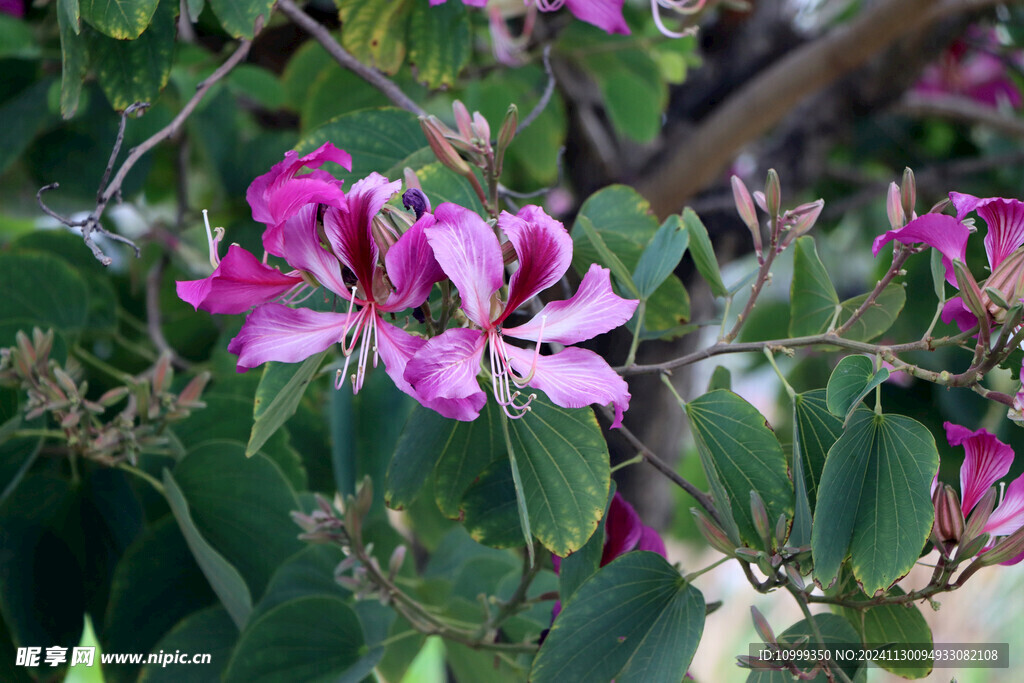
pixel 340 522
pixel 784 226
pixel 56 393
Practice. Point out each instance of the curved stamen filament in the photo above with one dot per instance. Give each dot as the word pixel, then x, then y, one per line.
pixel 549 5
pixel 213 242
pixel 681 6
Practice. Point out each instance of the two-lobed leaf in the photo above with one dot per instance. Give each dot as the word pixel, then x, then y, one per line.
pixel 635 620
pixel 873 501
pixel 813 298
pixel 852 379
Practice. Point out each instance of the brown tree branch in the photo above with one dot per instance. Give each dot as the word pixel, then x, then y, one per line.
pixel 764 101
pixel 959 109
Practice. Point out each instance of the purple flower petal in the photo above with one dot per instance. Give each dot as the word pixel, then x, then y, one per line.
pixel 1005 220
pixel 396 347
pixel 956 310
pixel 544 249
pixel 1009 515
pixel 605 14
pixel 470 255
pixel 411 267
pixel 274 332
pixel 348 228
pixel 593 310
pixel 622 529
pixel 447 365
pixel 651 540
pixel 986 460
pixel 238 283
pixel 302 249
pixel 941 232
pixel 464 409
pixel 574 378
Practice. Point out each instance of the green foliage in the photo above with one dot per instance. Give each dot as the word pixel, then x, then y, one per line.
pixel 635 620
pixel 894 625
pixel 850 382
pixel 835 631
pixel 740 454
pixel 873 503
pixel 813 297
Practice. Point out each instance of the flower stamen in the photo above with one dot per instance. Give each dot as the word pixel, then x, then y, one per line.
pixel 213 243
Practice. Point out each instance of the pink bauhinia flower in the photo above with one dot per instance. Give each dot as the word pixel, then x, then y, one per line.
pixel 470 254
pixel 978 68
pixel 278 194
pixel 275 332
pixel 986 460
pixel 605 14
pixel 1003 242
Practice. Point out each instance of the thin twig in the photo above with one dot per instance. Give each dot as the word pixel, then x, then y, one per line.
pixel 154 279
pixel 106 191
pixel 347 60
pixel 663 467
pixel 545 97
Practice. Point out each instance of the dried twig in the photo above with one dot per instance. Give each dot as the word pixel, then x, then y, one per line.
pixel 91 224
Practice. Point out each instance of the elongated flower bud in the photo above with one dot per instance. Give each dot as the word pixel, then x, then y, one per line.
pixel 773 193
pixel 463 120
pixel 908 192
pixel 713 534
pixel 894 207
pixel 442 149
pixel 746 210
pixel 760 515
pixel 764 630
pixel 979 516
pixel 969 292
pixel 949 518
pixel 1007 549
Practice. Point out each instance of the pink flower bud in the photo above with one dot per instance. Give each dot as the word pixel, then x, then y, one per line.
pixel 462 119
pixel 773 193
pixel 908 192
pixel 894 207
pixel 746 210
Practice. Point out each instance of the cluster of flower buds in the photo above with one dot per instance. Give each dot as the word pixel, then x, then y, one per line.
pixel 57 392
pixel 471 145
pixel 340 523
pixel 774 553
pixel 777 663
pixel 784 226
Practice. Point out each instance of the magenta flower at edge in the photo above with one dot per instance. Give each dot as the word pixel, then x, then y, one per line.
pixel 605 14
pixel 469 253
pixel 1005 220
pixel 275 332
pixel 986 460
pixel 623 532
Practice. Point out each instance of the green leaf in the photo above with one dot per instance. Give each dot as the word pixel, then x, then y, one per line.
pixel 261 85
pixel 873 503
pixel 73 56
pixel 813 299
pixel 900 625
pixel 563 459
pixel 225 580
pixel 313 638
pixel 490 508
pixel 374 32
pixel 852 379
pixel 156 584
pixel 817 429
pixel 238 17
pixel 416 454
pixel 321 104
pixel 835 631
pixel 585 562
pixel 738 450
pixel 703 253
pixel 634 95
pixel 439 42
pixel 242 507
pixel 136 70
pixel 55 296
pixel 938 274
pixel 209 631
pixel 635 620
pixel 721 378
pixel 16 39
pixel 661 256
pixel 120 19
pixel 308 572
pixel 608 257
pixel 622 219
pixel 377 139
pixel 277 397
pixel 877 319
pixel 469 449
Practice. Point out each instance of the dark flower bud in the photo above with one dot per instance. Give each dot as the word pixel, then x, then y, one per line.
pixel 416 201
